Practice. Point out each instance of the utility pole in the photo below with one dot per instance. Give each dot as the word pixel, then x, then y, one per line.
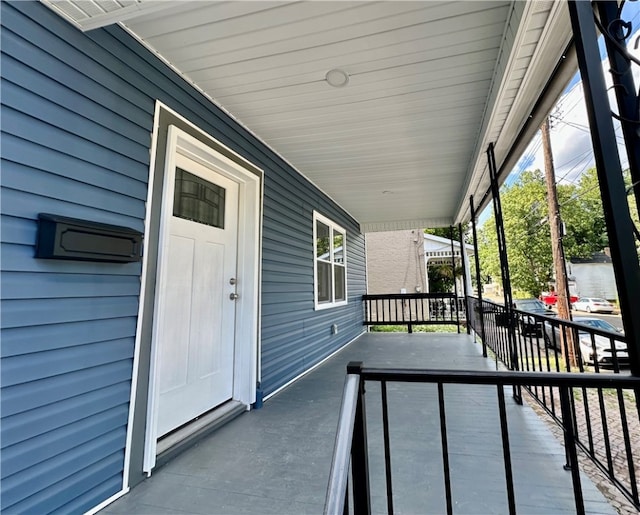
pixel 555 226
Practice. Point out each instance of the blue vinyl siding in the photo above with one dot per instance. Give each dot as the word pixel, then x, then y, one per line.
pixel 294 336
pixel 71 146
pixel 77 118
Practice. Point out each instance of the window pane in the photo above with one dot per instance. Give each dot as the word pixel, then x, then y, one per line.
pixel 322 241
pixel 340 283
pixel 324 281
pixel 198 200
pixel 338 247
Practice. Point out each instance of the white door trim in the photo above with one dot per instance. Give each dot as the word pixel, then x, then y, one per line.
pixel 248 287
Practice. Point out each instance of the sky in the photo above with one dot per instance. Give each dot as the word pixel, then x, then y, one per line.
pixel 570 138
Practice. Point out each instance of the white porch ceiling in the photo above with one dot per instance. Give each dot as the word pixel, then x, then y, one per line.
pixel 402 145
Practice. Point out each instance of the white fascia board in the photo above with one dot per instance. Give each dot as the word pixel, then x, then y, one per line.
pixel 96 21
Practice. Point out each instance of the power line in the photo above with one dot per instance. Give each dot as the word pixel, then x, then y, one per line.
pixel 587 154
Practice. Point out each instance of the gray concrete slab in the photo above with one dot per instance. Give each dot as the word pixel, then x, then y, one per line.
pixel 277 459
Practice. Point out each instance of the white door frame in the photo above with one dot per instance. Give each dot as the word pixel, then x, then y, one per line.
pixel 245 368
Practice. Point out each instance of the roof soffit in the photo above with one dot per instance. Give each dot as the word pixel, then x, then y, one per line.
pixel 538 56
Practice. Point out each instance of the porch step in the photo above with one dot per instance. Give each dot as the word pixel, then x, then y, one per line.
pixel 180 440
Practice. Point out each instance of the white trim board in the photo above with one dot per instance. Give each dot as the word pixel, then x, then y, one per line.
pixel 141 301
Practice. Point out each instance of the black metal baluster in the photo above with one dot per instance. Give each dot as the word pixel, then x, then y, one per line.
pixel 627 446
pixel 506 450
pixel 522 343
pixel 587 415
pixel 345 509
pixel 359 457
pixel 540 392
pixel 605 432
pixel 387 447
pixel 445 449
pixel 570 446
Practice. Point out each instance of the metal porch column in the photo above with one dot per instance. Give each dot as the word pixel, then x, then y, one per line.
pixel 616 31
pixel 612 188
pixel 465 287
pixel 453 274
pixel 504 263
pixel 478 277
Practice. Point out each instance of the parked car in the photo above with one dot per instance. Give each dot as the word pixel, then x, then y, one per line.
pixel 604 349
pixel 551 299
pixel 529 324
pixel 593 305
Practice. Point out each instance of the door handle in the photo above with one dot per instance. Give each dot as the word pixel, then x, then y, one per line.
pixel 233 296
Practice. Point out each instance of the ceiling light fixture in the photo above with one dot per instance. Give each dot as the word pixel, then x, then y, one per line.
pixel 337 78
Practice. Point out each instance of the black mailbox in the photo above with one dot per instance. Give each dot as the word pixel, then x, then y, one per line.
pixel 60 237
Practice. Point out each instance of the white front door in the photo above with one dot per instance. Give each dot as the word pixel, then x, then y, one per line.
pixel 197 312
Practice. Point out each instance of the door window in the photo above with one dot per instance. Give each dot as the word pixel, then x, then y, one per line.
pixel 198 200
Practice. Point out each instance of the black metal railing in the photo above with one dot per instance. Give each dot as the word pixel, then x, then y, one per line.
pixel 412 309
pixel 349 482
pixel 495 318
pixel 607 421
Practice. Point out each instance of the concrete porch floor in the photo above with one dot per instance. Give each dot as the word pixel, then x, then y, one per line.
pixel 277 459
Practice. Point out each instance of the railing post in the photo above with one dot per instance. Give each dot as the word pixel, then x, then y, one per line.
pixel 478 276
pixel 366 302
pixel 453 275
pixel 465 286
pixel 504 267
pixel 359 457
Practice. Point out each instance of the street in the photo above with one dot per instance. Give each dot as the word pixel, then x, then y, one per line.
pixel 615 320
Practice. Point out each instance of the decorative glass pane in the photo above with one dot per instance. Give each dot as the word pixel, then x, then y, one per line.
pixel 322 241
pixel 338 247
pixel 324 281
pixel 340 283
pixel 198 200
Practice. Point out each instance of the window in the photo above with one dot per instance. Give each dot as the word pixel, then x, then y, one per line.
pixel 330 272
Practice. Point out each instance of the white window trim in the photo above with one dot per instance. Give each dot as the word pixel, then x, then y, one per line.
pixel 317 217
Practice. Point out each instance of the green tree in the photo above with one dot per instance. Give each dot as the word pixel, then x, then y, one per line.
pixel 525 214
pixel 527 236
pixel 582 214
pixel 441 276
pixel 633 208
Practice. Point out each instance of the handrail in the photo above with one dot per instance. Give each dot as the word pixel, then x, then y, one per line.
pixel 339 475
pixel 501 378
pixel 410 296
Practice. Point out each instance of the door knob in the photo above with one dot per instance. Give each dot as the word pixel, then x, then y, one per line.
pixel 233 296
pixel 233 281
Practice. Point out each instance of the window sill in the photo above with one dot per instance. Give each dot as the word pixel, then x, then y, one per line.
pixel 329 305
